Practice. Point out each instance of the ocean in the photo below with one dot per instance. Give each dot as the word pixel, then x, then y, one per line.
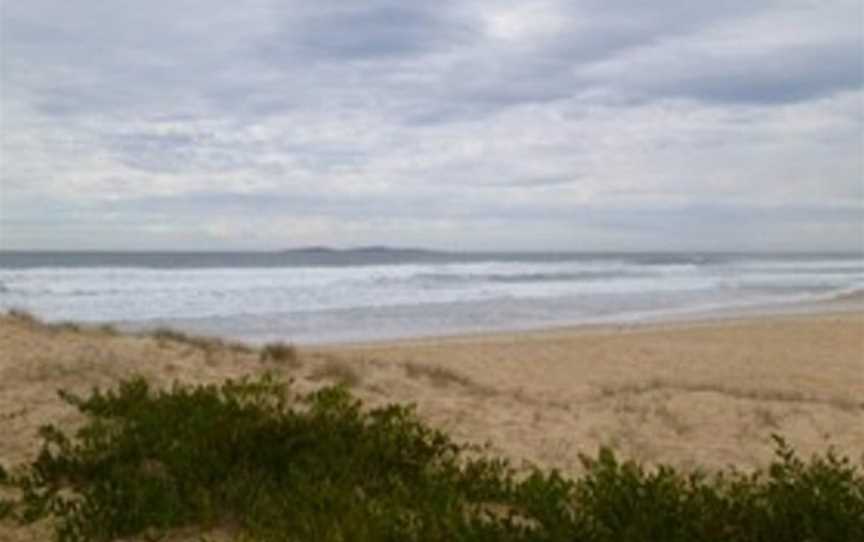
pixel 321 295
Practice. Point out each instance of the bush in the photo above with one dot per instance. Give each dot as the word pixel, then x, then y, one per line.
pixel 279 466
pixel 22 315
pixel 279 352
pixel 168 335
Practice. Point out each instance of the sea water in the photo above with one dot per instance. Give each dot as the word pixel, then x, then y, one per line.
pixel 322 295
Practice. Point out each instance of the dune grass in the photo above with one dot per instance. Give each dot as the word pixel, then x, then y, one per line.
pixel 166 335
pixel 29 318
pixel 163 335
pixel 280 353
pixel 22 316
pixel 337 371
pixel 252 459
pixel 438 376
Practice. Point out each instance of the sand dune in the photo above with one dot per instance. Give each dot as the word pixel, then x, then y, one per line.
pixel 708 393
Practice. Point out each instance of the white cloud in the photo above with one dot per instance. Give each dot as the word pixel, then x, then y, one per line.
pixel 503 125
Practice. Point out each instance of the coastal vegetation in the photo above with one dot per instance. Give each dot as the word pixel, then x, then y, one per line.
pixel 279 352
pixel 253 460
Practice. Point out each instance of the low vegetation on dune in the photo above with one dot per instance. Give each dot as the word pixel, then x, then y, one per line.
pixel 62 326
pixel 254 461
pixel 337 371
pixel 280 352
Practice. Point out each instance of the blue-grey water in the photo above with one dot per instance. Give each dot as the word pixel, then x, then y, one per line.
pixel 320 295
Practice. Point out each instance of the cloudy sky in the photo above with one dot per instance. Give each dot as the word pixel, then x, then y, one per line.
pixel 473 124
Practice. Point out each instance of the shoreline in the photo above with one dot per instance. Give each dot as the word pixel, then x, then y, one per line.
pixel 850 304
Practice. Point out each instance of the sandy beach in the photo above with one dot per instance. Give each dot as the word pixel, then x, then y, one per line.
pixel 706 393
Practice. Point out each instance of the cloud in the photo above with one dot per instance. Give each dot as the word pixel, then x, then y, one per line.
pixel 371 30
pixel 616 121
pixel 785 73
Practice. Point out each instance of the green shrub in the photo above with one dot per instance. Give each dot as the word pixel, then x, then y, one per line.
pixel 109 329
pixel 166 335
pixel 71 327
pixel 22 315
pixel 279 352
pixel 278 466
pixel 7 506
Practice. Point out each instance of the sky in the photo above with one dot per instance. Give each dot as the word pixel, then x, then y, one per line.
pixel 467 125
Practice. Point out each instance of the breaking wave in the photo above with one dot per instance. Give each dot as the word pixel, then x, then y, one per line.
pixel 398 296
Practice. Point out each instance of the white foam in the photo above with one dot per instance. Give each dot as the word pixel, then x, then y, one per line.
pixel 610 286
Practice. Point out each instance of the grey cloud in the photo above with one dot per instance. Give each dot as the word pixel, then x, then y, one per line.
pixel 108 58
pixel 700 225
pixel 477 205
pixel 532 182
pixel 410 110
pixel 713 217
pixel 175 153
pixel 112 58
pixel 788 74
pixel 368 31
pixel 793 74
pixel 299 203
pixel 550 69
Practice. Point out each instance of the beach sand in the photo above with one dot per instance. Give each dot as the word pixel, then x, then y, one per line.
pixel 706 393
